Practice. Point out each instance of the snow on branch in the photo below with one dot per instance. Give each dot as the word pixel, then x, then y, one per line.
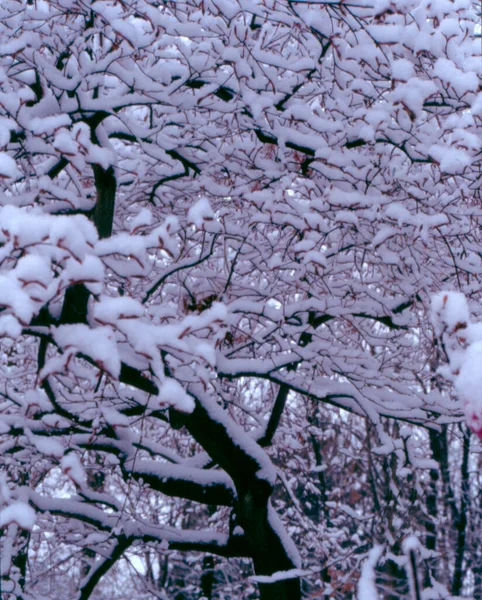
pixel 178 539
pixel 461 342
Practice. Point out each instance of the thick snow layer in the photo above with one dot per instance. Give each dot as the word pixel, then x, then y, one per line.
pixel 99 344
pixel 449 310
pixel 451 160
pixel 110 310
pixel 366 588
pixel 8 167
pixel 285 539
pixel 48 446
pixel 10 327
pixel 143 217
pixel 469 385
pixel 414 93
pixel 72 467
pixel 402 69
pixel 463 346
pixel 173 394
pixel 16 299
pixel 64 143
pixel 20 513
pixel 200 212
pixel 450 74
pixel 281 576
pixel 49 124
pixel 410 543
pixel 202 477
pixel 114 417
pixel 33 268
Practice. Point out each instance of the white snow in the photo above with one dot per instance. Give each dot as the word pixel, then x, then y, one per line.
pixel 449 310
pixel 181 472
pixel 10 327
pixel 200 212
pixel 143 217
pixel 468 384
pixel 476 108
pixel 281 576
pixel 402 69
pixel 74 233
pixel 450 74
pixel 463 345
pixel 99 344
pixel 33 268
pixel 366 587
pixel 48 125
pixel 173 394
pixel 414 93
pixel 114 417
pixel 452 160
pixel 16 299
pixel 89 271
pixel 313 256
pixel 48 446
pixel 278 527
pixel 20 513
pixel 127 30
pixel 72 467
pixel 64 143
pixel 8 167
pixel 110 310
pixel 410 543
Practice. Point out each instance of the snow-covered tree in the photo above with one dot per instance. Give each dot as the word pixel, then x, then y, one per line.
pixel 222 223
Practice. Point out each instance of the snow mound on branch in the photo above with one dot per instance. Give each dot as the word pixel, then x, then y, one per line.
pixel 72 467
pixel 450 311
pixel 469 385
pixel 20 513
pixel 8 167
pixel 10 327
pixel 200 213
pixel 48 446
pixel 462 341
pixel 366 588
pixel 99 344
pixel 110 310
pixel 173 394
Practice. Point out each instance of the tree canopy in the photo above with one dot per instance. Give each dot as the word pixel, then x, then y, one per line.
pixel 240 270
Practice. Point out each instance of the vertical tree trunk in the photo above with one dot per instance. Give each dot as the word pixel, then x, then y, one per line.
pixel 267 541
pixel 432 510
pixel 461 525
pixel 105 184
pixel 207 577
pixel 21 557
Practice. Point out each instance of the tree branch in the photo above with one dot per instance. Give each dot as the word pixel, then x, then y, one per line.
pixel 207 487
pixel 275 417
pixel 98 570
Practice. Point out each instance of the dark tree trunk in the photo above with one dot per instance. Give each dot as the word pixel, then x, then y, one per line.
pixel 461 524
pixel 207 578
pixel 267 549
